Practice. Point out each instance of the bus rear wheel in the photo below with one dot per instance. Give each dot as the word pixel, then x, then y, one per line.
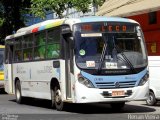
pixel 58 99
pixel 18 92
pixel 151 100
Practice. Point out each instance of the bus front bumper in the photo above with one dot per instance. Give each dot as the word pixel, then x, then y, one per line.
pixel 92 95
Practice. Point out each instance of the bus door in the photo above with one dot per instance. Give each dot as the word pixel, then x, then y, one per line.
pixel 8 69
pixel 68 55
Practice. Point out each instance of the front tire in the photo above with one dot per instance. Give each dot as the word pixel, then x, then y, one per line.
pixel 18 93
pixel 58 99
pixel 151 100
pixel 52 98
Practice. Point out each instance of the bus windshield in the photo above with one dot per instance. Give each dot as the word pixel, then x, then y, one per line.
pixel 100 47
pixel 1 58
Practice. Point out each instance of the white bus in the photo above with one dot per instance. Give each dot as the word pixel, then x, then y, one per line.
pixel 80 60
pixel 154 80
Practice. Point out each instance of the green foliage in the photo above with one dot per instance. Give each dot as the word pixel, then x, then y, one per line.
pixel 39 7
pixel 82 5
pixel 12 16
pixel 1 21
pixel 12 11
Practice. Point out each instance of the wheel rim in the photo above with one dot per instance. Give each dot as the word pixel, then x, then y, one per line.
pixel 18 93
pixel 58 97
pixel 150 99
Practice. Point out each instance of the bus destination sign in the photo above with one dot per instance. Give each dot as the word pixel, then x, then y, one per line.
pixel 110 28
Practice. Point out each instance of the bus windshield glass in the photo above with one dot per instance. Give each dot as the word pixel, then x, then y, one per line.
pixel 109 46
pixel 1 58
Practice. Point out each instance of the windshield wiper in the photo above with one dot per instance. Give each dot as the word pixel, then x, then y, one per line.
pixel 114 53
pixel 125 58
pixel 102 57
pixel 115 57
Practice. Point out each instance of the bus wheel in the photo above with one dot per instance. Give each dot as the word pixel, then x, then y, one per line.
pixel 58 99
pixel 52 98
pixel 151 100
pixel 18 92
pixel 117 106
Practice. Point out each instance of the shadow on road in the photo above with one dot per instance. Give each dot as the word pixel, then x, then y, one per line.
pixel 2 91
pixel 105 108
pixel 90 108
pixel 156 105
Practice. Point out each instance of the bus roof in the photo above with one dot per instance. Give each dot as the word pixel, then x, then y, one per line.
pixel 37 27
pixel 104 18
pixel 57 22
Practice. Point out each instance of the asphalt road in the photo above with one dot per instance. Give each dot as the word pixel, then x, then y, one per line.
pixel 34 109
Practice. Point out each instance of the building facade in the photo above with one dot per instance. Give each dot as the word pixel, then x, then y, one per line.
pixel 150 23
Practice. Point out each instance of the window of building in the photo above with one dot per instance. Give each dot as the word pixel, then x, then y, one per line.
pixel 151 48
pixel 152 17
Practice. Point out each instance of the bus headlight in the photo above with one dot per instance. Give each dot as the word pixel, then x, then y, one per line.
pixel 144 79
pixel 85 81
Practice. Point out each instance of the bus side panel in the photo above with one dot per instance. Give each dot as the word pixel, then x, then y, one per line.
pixel 154 77
pixel 8 81
pixel 35 78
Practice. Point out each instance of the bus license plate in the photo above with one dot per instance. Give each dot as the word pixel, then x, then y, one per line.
pixel 118 93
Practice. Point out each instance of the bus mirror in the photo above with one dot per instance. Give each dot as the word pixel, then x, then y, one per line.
pixel 71 43
pixel 66 30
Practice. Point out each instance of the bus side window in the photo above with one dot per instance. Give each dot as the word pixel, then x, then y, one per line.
pixel 18 49
pixel 7 52
pixel 53 43
pixel 36 56
pixel 53 51
pixel 18 55
pixel 27 54
pixel 40 48
pixel 27 47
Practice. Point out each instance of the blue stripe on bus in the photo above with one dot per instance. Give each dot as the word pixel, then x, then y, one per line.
pixel 101 18
pixel 120 78
pixel 41 28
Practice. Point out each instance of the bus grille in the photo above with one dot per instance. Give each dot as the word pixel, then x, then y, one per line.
pixel 112 85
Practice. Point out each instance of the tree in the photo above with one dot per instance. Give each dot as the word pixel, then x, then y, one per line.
pixel 12 11
pixel 11 16
pixel 39 7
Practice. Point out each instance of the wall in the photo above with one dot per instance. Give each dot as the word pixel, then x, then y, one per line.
pixel 151 32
